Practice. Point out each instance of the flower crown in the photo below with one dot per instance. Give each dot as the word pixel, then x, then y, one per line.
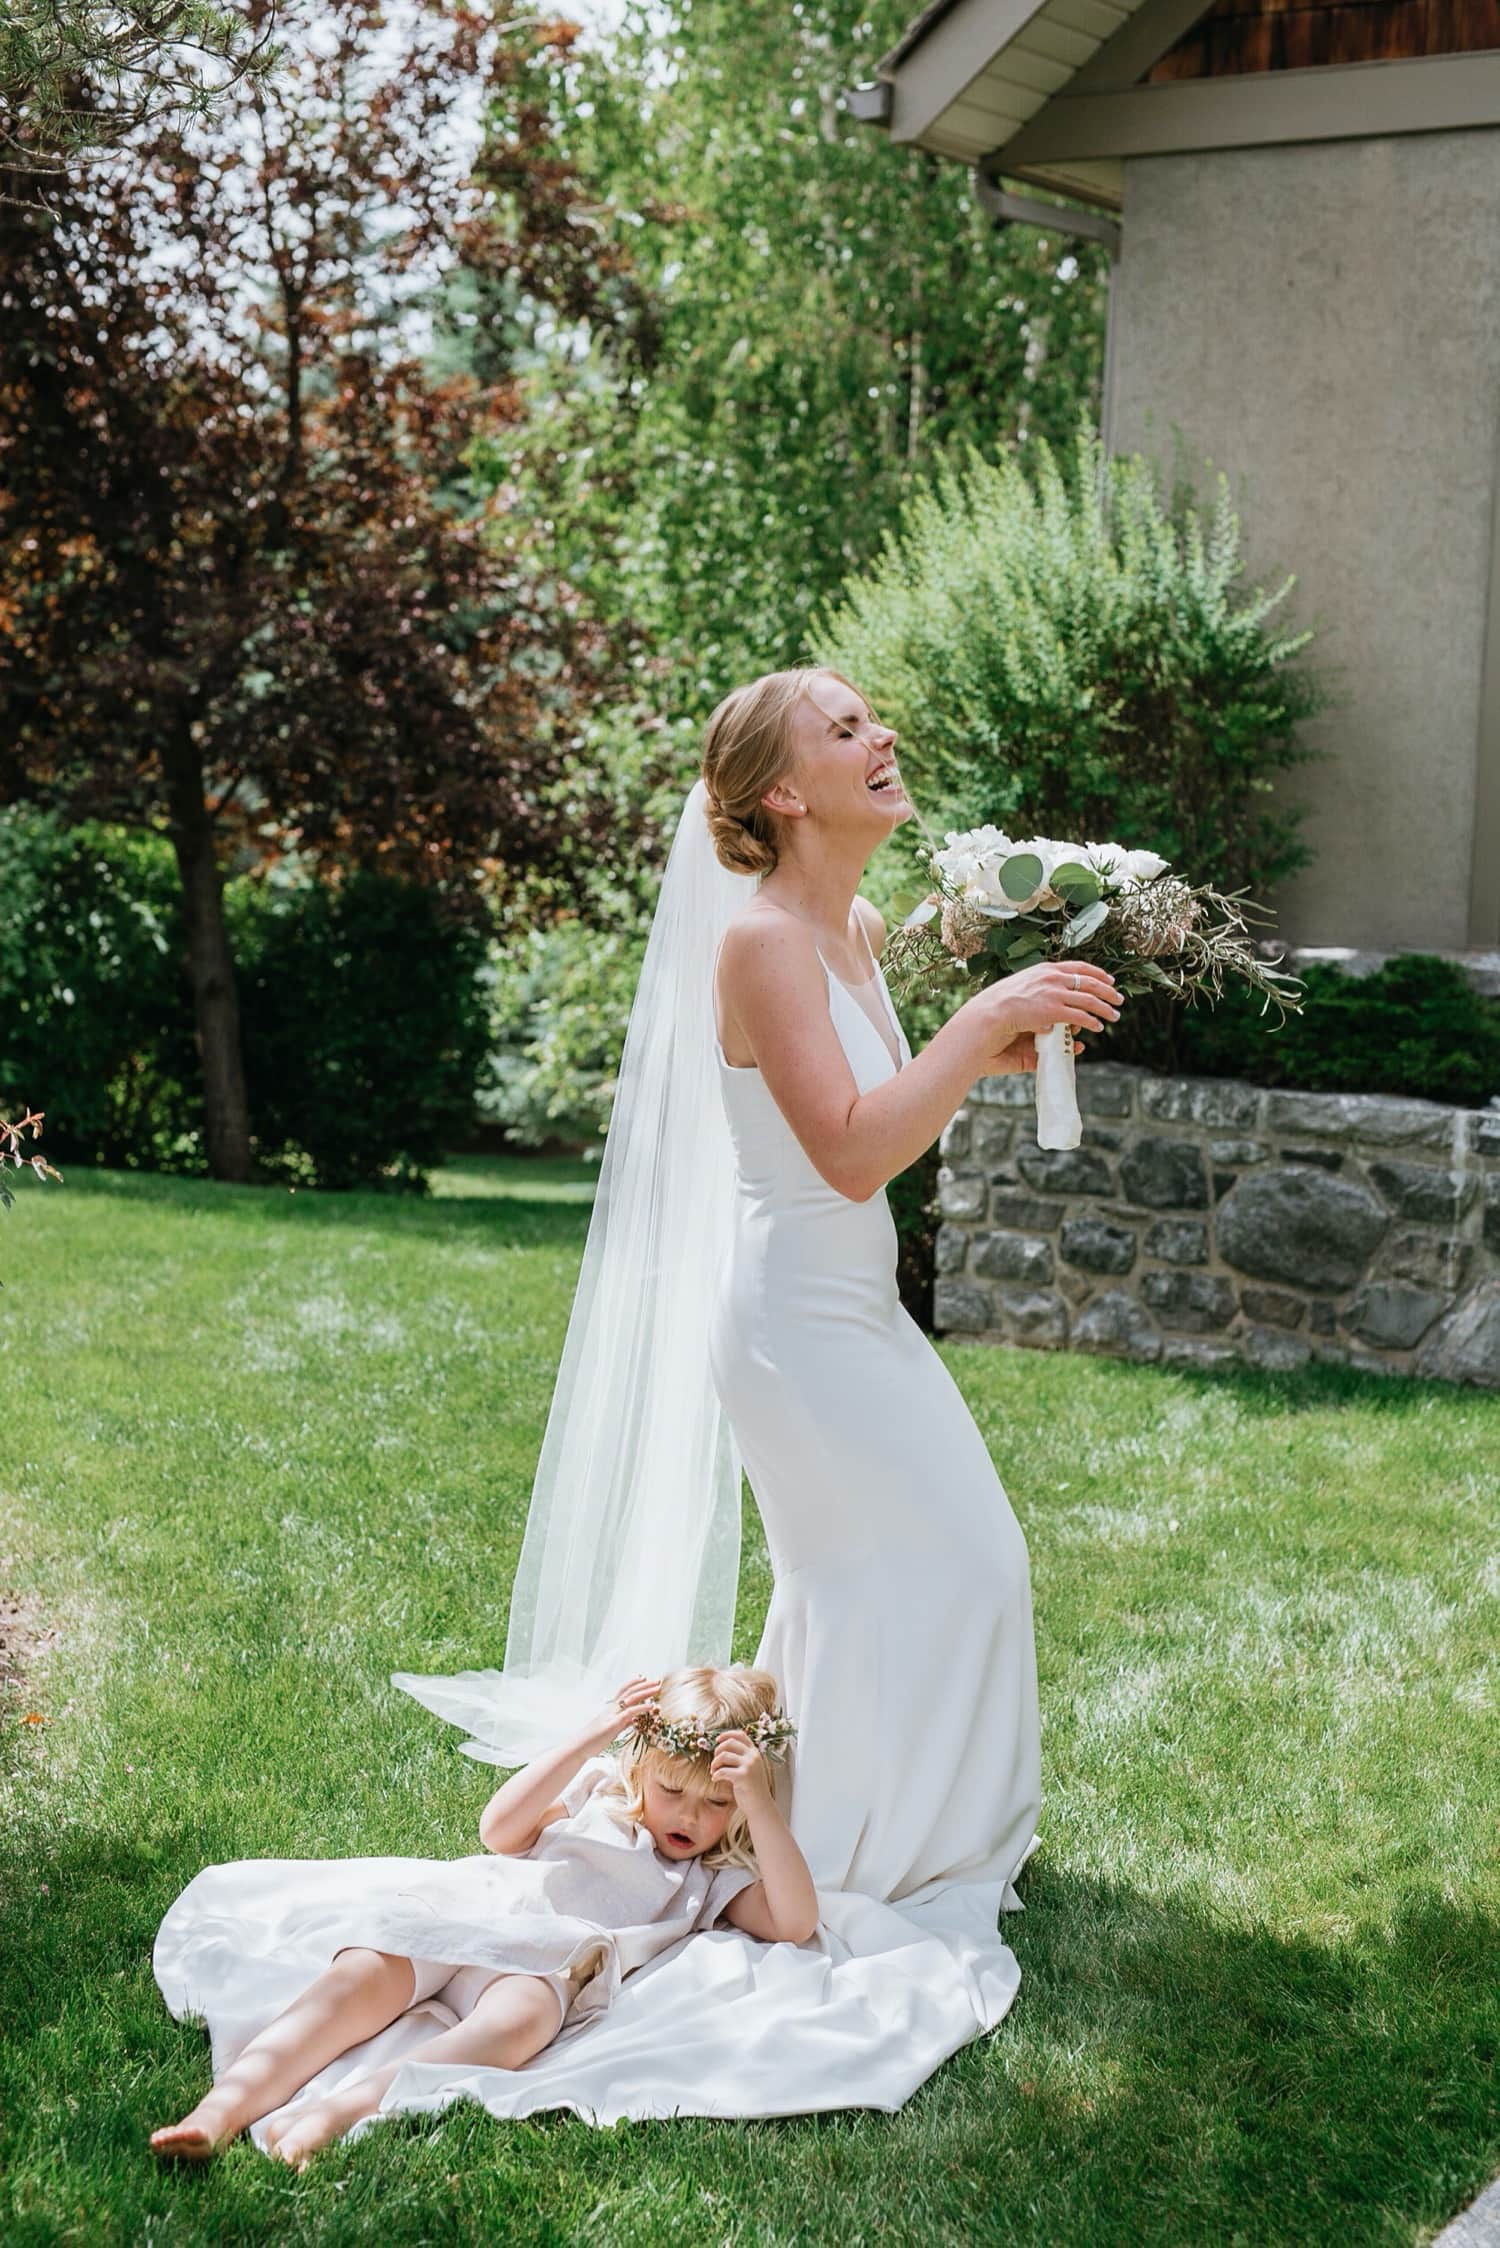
pixel 772 1732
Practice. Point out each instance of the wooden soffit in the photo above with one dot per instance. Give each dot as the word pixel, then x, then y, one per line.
pixel 1050 91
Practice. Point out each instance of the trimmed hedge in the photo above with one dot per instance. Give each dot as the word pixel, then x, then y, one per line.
pixel 1416 1026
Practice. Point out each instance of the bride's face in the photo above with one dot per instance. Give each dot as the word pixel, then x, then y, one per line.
pixel 685 1811
pixel 841 749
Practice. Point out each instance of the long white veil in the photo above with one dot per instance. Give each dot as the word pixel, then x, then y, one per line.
pixel 631 1554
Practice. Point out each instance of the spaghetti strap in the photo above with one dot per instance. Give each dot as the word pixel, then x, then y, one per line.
pixel 877 978
pixel 870 949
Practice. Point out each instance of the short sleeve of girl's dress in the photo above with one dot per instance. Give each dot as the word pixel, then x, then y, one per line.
pixel 722 1890
pixel 586 1781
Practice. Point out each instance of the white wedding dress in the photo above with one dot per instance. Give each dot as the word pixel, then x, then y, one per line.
pixel 900 1628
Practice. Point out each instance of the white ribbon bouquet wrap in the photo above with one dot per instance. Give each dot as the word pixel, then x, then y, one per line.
pixel 1005 905
pixel 1058 1123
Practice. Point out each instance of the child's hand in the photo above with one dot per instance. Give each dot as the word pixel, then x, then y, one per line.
pixel 620 1714
pixel 739 1761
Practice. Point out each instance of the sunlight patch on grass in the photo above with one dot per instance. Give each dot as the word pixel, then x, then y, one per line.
pixel 1115 1525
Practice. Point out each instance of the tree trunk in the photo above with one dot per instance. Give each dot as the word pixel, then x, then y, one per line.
pixel 216 1005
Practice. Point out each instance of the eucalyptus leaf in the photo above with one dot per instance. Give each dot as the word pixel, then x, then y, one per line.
pixel 1021 875
pixel 1085 924
pixel 1077 884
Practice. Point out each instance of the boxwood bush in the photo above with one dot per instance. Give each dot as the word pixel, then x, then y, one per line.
pixel 1415 1026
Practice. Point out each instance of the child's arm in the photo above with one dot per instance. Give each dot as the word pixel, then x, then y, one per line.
pixel 782 1906
pixel 525 1803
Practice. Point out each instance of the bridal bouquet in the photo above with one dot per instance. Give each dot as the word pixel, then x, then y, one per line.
pixel 1005 905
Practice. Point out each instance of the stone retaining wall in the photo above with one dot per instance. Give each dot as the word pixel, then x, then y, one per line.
pixel 1205 1222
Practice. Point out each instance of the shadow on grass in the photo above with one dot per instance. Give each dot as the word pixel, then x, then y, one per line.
pixel 1315 1388
pixel 512 1203
pixel 1166 2076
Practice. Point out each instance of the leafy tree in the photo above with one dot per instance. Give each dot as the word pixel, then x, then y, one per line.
pixel 75 77
pixel 246 594
pixel 810 316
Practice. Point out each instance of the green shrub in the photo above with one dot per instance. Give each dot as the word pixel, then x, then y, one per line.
pixel 559 999
pixel 95 1014
pixel 1064 654
pixel 363 1024
pixel 362 1014
pixel 1414 1027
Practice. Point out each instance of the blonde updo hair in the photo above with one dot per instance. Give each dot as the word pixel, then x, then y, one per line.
pixel 736 1695
pixel 747 748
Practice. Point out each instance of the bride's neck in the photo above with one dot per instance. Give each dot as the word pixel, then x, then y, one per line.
pixel 818 882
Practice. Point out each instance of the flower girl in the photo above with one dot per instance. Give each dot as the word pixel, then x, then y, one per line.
pixel 598 1863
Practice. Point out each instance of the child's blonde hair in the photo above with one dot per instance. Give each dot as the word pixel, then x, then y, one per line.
pixel 736 1695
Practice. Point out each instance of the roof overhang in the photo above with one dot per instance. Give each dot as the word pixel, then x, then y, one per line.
pixel 1049 92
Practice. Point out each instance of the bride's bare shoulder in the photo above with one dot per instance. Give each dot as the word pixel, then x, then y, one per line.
pixel 763 946
pixel 768 969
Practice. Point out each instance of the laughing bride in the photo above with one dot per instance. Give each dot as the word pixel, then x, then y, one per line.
pixel 737 1308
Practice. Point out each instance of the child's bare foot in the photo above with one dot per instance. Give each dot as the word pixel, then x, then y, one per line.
pixel 297 2136
pixel 200 2134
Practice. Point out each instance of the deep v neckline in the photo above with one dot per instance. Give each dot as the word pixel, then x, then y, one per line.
pixel 878 980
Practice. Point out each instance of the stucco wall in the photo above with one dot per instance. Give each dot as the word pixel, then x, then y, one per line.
pixel 1322 322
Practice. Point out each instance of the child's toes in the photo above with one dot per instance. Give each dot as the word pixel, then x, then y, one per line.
pixel 300 2135
pixel 182 2142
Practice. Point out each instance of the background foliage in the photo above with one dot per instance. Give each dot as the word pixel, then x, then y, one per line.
pixel 1416 1027
pixel 810 315
pixel 1064 653
pixel 363 1013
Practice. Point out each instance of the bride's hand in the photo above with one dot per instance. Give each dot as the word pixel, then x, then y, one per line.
pixel 1015 1008
pixel 1019 1055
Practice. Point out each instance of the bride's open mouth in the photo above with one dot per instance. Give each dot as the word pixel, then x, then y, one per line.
pixel 885 781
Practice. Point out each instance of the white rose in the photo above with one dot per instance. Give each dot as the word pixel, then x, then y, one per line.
pixel 957 866
pixel 1141 866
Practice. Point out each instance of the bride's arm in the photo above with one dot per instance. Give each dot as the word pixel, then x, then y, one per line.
pixel 775 983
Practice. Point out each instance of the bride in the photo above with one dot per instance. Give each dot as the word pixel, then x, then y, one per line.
pixel 900 1624
pixel 737 1308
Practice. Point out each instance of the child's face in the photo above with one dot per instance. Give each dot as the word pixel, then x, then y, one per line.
pixel 685 1810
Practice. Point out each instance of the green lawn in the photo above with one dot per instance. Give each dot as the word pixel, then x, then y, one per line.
pixel 261 1448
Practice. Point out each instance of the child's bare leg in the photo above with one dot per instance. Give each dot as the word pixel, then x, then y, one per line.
pixel 514 2018
pixel 359 1994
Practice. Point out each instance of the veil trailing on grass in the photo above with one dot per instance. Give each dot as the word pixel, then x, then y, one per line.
pixel 631 1554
